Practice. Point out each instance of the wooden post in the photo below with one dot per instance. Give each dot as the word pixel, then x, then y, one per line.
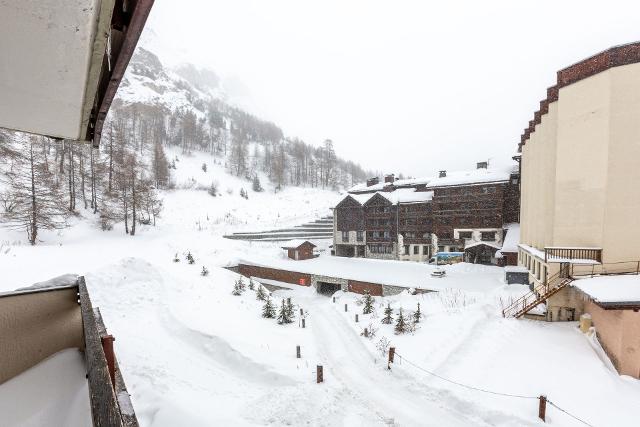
pixel 392 352
pixel 319 376
pixel 542 408
pixel 297 352
pixel 289 301
pixel 301 312
pixel 356 318
pixel 366 333
pixel 345 308
pixel 334 299
pixel 107 347
pixel 302 323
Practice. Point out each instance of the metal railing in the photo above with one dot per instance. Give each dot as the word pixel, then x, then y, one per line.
pixel 560 253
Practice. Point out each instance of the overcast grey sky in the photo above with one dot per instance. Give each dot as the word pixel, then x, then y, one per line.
pixel 399 86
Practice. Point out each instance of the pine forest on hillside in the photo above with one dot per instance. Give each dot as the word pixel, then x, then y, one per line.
pixel 43 181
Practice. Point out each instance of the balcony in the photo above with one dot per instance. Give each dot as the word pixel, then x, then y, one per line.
pixel 573 255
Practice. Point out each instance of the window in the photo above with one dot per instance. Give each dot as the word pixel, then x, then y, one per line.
pixel 359 236
pixel 406 249
pixel 416 250
pixel 453 249
pixel 488 236
pixel 387 234
pixel 410 235
pixel 464 234
pixel 345 236
pixel 425 250
pixel 440 248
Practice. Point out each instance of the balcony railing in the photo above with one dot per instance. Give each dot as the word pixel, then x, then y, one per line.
pixel 572 254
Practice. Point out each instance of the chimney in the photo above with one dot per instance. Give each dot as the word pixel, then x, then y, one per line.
pixel 442 174
pixel 481 165
pixel 390 178
pixel 372 181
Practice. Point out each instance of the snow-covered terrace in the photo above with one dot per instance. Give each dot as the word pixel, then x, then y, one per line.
pixel 388 272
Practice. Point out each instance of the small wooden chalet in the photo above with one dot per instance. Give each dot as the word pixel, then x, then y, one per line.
pixel 299 249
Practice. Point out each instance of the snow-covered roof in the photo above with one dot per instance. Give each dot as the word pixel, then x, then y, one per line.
pixel 401 195
pixel 407 195
pixel 611 289
pixel 474 176
pixel 512 238
pixel 386 272
pixel 516 269
pixel 479 243
pixel 294 243
pixel 397 183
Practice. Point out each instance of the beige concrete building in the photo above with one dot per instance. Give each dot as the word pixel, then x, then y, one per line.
pixel 580 193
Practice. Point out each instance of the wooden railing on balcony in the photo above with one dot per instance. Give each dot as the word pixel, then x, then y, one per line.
pixel 558 254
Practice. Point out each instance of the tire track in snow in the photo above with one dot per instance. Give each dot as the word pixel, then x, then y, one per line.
pixel 348 361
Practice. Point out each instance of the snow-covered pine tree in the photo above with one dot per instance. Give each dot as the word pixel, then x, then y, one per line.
pixel 205 271
pixel 283 314
pixel 290 311
pixel 261 295
pixel 251 284
pixel 241 285
pixel 175 258
pixel 268 310
pixel 190 259
pixel 255 184
pixel 367 301
pixel 417 315
pixel 401 325
pixel 388 315
pixel 38 200
pixel 213 189
pixel 238 287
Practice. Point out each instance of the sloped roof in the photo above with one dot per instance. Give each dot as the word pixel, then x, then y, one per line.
pixel 295 244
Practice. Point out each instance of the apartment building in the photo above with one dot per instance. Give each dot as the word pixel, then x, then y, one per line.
pixel 580 201
pixel 412 219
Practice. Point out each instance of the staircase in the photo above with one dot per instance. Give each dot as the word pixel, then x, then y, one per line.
pixel 319 229
pixel 538 295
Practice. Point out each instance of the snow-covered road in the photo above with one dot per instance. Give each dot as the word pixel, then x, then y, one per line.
pixel 350 364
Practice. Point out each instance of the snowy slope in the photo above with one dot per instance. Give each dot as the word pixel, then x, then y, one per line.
pixel 193 354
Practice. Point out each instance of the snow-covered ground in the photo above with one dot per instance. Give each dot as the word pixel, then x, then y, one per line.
pixel 193 354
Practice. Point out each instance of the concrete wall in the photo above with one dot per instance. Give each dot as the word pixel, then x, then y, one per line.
pixel 34 326
pixel 619 334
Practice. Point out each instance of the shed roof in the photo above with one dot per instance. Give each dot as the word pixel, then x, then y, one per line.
pixel 295 244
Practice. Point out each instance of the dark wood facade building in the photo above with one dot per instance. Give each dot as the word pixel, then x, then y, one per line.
pixel 413 219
